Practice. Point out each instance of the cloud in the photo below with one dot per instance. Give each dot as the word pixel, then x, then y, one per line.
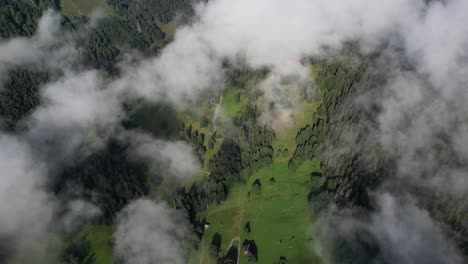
pixel 282 94
pixel 407 234
pixel 396 232
pixel 185 68
pixel 81 107
pixel 49 47
pixel 171 158
pixel 75 108
pixel 54 132
pixel 78 213
pixel 259 33
pixel 422 126
pixel 274 32
pixel 425 132
pixel 27 209
pixel 78 112
pixel 424 118
pixel 148 233
pixel 441 58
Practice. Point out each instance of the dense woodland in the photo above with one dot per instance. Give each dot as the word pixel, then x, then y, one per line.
pixel 99 49
pixel 248 150
pixel 134 26
pixel 78 252
pixel 107 178
pixel 150 10
pixel 19 95
pixel 337 125
pixel 110 179
pixel 19 18
pixel 350 170
pixel 119 180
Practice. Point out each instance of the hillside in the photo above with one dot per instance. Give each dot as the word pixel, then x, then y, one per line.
pixel 222 132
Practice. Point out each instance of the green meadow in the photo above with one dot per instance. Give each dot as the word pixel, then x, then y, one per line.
pixel 100 237
pixel 83 7
pixel 279 215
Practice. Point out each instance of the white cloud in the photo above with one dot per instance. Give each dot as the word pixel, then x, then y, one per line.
pixel 260 33
pixel 169 158
pixel 50 46
pixel 27 209
pixel 74 108
pixel 150 233
pixel 398 231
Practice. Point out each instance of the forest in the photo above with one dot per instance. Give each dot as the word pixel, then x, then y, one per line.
pixel 108 178
pixel 255 182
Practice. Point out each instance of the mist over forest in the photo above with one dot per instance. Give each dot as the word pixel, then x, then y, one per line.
pixel 220 131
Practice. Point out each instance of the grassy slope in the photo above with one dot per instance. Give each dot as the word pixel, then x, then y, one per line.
pixel 169 29
pixel 100 237
pixel 279 212
pixel 231 107
pixel 229 110
pixel 72 8
pixel 286 137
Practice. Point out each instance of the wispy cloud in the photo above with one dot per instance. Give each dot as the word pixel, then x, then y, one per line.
pixel 419 107
pixel 149 232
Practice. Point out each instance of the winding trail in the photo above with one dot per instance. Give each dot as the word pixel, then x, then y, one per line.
pixel 202 248
pixel 230 245
pixel 217 110
pixel 238 248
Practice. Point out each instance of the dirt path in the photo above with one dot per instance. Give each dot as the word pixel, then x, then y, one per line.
pixel 238 247
pixel 230 245
pixel 202 248
pixel 217 110
pixel 239 217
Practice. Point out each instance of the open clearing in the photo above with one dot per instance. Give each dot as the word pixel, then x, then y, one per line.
pixel 83 7
pixel 279 215
pixel 100 237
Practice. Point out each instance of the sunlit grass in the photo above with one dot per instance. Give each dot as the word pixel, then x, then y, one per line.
pixel 73 8
pixel 279 213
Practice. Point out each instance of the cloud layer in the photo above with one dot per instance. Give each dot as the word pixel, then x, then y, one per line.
pixel 150 233
pixel 397 232
pixel 419 106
